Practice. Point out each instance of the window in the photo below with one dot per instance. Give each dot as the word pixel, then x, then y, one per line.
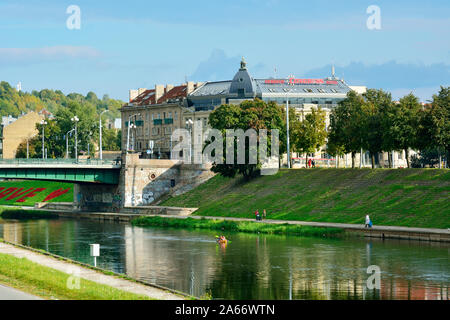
pixel 176 115
pixel 153 116
pixel 170 115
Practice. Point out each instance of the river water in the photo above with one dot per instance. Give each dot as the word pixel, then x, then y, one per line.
pixel 251 266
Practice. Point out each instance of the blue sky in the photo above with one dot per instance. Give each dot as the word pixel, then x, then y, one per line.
pixel 130 44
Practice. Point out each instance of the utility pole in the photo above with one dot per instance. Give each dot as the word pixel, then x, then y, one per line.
pixel 43 123
pixel 287 124
pixel 100 126
pixel 128 131
pixel 75 119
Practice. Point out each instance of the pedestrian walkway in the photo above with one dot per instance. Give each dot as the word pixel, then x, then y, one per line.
pixel 7 293
pixel 426 234
pixel 89 274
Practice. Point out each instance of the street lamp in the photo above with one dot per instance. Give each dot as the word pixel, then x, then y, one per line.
pixel 67 142
pixel 128 132
pixel 287 122
pixel 133 136
pixel 43 123
pixel 75 119
pixel 100 126
pixel 189 124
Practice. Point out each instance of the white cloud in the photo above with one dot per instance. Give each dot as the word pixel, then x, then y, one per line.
pixel 46 54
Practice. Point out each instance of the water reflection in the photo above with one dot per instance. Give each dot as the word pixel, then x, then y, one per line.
pixel 252 266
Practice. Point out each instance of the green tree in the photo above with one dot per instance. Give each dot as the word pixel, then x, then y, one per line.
pixel 374 110
pixel 255 114
pixel 434 130
pixel 345 131
pixel 310 134
pixel 401 123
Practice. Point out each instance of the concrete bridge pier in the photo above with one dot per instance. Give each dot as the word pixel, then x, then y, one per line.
pixel 96 197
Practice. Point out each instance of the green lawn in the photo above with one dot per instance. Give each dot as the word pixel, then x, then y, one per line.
pixel 48 283
pixel 237 226
pixel 402 197
pixel 24 187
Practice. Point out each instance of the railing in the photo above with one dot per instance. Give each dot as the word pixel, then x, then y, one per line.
pixel 36 161
pixel 157 121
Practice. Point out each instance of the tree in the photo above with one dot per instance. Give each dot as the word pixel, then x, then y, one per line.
pixel 374 109
pixel 401 123
pixel 111 139
pixel 310 134
pixel 250 114
pixel 345 132
pixel 434 131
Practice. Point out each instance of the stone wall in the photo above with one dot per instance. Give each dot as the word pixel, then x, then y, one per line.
pixel 146 181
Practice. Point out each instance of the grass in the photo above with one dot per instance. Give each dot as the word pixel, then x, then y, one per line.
pixel 397 197
pixel 50 186
pixel 49 283
pixel 24 214
pixel 236 226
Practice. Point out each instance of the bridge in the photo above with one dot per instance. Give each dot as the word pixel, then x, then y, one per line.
pixel 71 170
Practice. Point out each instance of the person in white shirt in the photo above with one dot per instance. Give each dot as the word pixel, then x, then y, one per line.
pixel 367 221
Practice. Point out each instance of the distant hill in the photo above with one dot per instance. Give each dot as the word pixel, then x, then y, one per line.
pixel 14 103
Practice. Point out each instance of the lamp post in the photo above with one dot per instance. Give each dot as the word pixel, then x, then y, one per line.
pixel 100 127
pixel 287 123
pixel 128 131
pixel 67 143
pixel 133 136
pixel 43 123
pixel 189 124
pixel 75 119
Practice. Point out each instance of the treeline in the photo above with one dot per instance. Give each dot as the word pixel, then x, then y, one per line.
pixel 15 103
pixel 370 122
pixel 375 123
pixel 64 108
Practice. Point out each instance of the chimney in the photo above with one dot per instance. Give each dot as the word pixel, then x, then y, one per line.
pixel 159 92
pixel 190 87
pixel 168 87
pixel 133 94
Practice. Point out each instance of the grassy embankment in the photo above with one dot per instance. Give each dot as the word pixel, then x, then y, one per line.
pixel 49 283
pixel 236 226
pixel 24 185
pixel 398 197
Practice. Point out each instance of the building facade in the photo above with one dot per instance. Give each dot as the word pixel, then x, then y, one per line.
pixel 13 134
pixel 164 109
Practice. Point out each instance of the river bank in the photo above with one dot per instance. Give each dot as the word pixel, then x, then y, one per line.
pixel 416 198
pixel 54 277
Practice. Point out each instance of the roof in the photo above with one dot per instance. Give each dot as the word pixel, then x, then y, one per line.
pixel 212 89
pixel 148 96
pixel 328 86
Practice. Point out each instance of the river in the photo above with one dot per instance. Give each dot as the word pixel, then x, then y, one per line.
pixel 251 266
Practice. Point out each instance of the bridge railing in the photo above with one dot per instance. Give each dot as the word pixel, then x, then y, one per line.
pixel 35 161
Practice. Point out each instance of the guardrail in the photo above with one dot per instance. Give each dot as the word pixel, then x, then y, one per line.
pixel 35 161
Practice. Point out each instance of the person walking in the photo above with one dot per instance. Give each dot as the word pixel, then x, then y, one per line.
pixel 309 163
pixel 313 163
pixel 368 222
pixel 264 213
